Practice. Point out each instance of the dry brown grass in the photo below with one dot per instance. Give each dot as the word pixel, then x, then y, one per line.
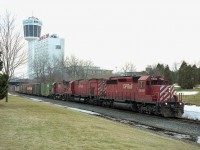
pixel 191 99
pixel 32 125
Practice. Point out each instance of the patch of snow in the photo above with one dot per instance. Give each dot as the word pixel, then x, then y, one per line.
pixel 56 104
pixel 182 136
pixel 176 85
pixel 143 126
pixel 198 139
pixel 76 109
pixel 35 99
pixel 191 112
pixel 188 92
pixel 12 94
pixel 84 111
pixel 46 102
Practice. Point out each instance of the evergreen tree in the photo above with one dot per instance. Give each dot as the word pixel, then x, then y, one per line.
pixel 194 75
pixel 3 81
pixel 198 77
pixel 160 69
pixel 175 73
pixel 1 62
pixel 3 85
pixel 188 76
pixel 168 74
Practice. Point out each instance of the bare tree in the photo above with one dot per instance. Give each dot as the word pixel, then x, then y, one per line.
pixel 87 69
pixel 11 45
pixel 128 67
pixel 54 69
pixel 73 66
pixel 47 68
pixel 77 68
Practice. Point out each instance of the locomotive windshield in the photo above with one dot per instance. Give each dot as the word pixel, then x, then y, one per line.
pixel 158 81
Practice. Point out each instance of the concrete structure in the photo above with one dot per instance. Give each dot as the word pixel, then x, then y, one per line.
pixel 50 46
pixel 46 46
pixel 32 32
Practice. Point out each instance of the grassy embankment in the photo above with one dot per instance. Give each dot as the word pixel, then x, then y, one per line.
pixel 191 99
pixel 25 124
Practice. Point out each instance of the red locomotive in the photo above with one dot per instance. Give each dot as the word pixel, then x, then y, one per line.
pixel 145 94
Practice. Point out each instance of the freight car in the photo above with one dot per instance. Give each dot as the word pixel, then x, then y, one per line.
pixel 145 94
pixel 46 89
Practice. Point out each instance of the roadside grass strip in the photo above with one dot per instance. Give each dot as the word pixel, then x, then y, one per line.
pixel 27 124
pixel 190 96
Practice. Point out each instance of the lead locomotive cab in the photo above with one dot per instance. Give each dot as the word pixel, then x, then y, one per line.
pixel 144 85
pixel 166 103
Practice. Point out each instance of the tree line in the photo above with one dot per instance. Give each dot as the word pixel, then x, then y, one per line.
pixel 70 68
pixel 187 76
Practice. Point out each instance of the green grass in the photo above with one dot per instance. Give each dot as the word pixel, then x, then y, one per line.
pixel 25 124
pixel 191 99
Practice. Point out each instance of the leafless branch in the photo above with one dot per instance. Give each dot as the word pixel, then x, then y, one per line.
pixel 12 45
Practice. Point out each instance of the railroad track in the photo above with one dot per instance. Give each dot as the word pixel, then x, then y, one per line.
pixel 187 120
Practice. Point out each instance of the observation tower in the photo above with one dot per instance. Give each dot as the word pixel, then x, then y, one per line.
pixel 32 32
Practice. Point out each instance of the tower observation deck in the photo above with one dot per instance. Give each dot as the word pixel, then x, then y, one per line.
pixel 32 32
pixel 32 28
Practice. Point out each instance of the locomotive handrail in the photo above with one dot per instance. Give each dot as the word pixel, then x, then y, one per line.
pixel 180 97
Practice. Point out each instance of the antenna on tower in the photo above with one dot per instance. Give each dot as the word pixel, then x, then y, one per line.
pixel 32 13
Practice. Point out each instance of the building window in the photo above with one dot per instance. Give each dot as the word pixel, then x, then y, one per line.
pixel 58 46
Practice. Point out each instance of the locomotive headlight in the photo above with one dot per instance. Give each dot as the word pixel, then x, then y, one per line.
pixel 166 103
pixel 169 90
pixel 180 103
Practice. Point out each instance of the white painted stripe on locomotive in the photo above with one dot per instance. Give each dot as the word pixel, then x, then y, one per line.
pixel 163 93
pixel 167 94
pixel 163 89
pixel 101 88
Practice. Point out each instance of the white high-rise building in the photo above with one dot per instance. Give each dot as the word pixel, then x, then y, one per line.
pixel 46 46
pixel 50 46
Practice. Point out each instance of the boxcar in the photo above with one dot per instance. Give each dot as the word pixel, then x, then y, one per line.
pixel 36 89
pixel 24 88
pixel 17 88
pixel 29 88
pixel 46 89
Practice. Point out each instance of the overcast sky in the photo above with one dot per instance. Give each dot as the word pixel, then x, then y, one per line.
pixel 114 32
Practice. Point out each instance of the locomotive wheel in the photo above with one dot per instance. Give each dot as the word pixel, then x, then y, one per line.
pixel 134 107
pixel 110 104
pixel 149 110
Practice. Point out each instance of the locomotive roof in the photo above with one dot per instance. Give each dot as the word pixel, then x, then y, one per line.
pixel 144 77
pixel 118 77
